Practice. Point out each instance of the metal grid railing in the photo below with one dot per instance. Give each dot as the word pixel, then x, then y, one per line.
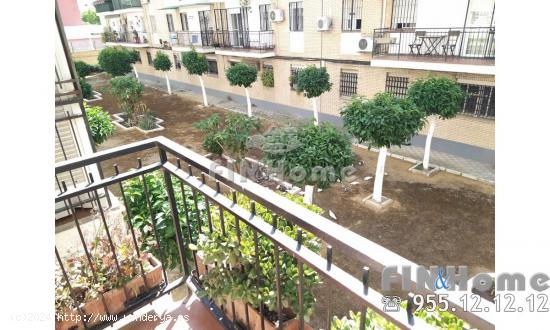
pixel 218 187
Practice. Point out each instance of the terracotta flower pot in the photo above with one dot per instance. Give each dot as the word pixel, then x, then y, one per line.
pixel 255 319
pixel 68 319
pixel 92 309
pixel 115 300
pixel 154 276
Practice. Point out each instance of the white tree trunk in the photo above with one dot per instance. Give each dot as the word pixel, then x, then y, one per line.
pixel 248 104
pixel 168 83
pixel 426 161
pixel 315 113
pixel 135 72
pixel 379 178
pixel 204 100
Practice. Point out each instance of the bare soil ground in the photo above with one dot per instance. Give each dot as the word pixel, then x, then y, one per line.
pixel 440 220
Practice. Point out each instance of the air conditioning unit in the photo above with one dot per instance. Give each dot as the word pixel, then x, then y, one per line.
pixel 277 15
pixel 365 45
pixel 324 23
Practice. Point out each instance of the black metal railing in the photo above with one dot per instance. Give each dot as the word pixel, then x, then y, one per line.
pixel 258 40
pixel 127 37
pixel 195 176
pixel 111 5
pixel 443 43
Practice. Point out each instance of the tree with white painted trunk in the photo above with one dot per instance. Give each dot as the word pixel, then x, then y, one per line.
pixel 243 75
pixel 437 97
pixel 313 82
pixel 382 122
pixel 162 63
pixel 196 64
pixel 135 57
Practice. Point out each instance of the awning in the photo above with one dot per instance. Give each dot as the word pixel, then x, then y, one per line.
pixel 174 4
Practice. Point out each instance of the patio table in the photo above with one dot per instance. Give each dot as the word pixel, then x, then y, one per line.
pixel 431 43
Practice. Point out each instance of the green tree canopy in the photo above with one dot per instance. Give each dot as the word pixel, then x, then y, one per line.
pixel 134 55
pixel 194 62
pixel 437 96
pixel 100 123
pixel 115 61
pixel 89 16
pixel 313 81
pixel 162 62
pixel 384 121
pixel 241 74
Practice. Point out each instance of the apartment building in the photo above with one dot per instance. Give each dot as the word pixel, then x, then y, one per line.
pixel 367 46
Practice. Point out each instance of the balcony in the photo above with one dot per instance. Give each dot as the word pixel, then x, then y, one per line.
pixel 102 6
pixel 436 48
pixel 179 200
pixel 129 39
pixel 184 40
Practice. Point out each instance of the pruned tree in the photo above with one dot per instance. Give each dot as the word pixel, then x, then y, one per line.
pixel 128 91
pixel 162 63
pixel 313 82
pixel 196 64
pixel 382 122
pixel 437 97
pixel 244 75
pixel 135 56
pixel 115 61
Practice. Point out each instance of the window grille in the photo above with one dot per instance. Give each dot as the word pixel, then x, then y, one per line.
pixel 397 86
pixel 479 100
pixel 351 15
pixel 296 16
pixel 404 14
pixel 348 83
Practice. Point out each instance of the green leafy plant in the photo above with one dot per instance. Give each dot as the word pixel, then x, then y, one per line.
pixel 89 16
pixel 234 275
pixel 147 121
pixel 267 78
pixel 313 82
pixel 140 216
pixel 382 122
pixel 83 69
pixel 100 123
pixel 134 55
pixel 437 97
pixel 309 153
pixel 128 91
pixel 230 136
pixel 115 61
pixel 196 64
pixel 87 91
pixel 243 75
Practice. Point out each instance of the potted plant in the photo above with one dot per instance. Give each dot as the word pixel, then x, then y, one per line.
pixel 232 277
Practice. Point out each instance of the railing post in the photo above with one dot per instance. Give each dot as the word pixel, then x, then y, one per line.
pixel 175 217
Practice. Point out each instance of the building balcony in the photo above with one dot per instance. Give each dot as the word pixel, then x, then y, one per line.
pixel 128 39
pixel 185 40
pixel 469 49
pixel 176 208
pixel 102 6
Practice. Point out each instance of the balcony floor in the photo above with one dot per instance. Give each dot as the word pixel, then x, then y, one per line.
pixel 436 59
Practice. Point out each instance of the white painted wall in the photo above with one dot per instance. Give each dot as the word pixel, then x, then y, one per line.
pixel 349 43
pixel 441 13
pixel 296 42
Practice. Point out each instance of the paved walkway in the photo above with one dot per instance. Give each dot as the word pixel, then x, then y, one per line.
pixel 450 161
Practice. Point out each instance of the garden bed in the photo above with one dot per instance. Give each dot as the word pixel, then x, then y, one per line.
pixel 97 97
pixel 121 121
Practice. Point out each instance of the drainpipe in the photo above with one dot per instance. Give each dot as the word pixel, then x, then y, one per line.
pixel 383 14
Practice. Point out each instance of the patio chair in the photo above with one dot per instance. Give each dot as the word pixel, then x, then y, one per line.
pixel 417 43
pixel 452 40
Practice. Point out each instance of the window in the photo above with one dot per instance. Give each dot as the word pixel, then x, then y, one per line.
pixel 265 22
pixel 397 86
pixel 212 66
pixel 479 101
pixel 293 74
pixel 177 62
pixel 351 15
pixel 404 14
pixel 149 58
pixel 296 16
pixel 348 83
pixel 184 22
pixel 153 24
pixel 170 21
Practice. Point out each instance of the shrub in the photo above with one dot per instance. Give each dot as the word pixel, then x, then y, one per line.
pixel 134 56
pixel 267 78
pixel 83 69
pixel 127 91
pixel 100 123
pixel 162 62
pixel 140 217
pixel 309 153
pixel 231 136
pixel 313 81
pixel 115 61
pixel 230 282
pixel 87 91
pixel 194 62
pixel 147 121
pixel 437 96
pixel 241 74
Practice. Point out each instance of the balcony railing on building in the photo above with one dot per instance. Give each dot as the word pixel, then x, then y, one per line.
pixel 127 37
pixel 232 39
pixel 202 182
pixel 471 45
pixel 102 6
